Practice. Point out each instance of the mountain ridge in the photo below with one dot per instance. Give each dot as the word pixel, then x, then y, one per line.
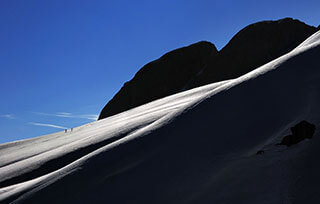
pixel 178 70
pixel 152 81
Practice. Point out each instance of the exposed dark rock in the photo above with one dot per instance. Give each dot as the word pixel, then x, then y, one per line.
pixel 165 76
pixel 301 131
pixel 253 46
pixel 201 63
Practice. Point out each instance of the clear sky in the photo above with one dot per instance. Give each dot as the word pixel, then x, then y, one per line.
pixel 62 60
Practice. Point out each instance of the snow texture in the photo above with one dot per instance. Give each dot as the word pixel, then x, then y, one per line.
pixel 197 146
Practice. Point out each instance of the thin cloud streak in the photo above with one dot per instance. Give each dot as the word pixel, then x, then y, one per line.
pixel 64 113
pixel 70 115
pixel 9 116
pixel 48 125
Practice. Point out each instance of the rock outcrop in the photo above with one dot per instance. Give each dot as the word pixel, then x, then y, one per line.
pixel 253 46
pixel 301 131
pixel 165 76
pixel 201 63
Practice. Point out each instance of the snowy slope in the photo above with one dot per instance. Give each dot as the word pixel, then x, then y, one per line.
pixel 197 146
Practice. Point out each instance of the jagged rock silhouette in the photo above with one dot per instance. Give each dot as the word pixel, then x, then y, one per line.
pixel 254 46
pixel 201 63
pixel 165 76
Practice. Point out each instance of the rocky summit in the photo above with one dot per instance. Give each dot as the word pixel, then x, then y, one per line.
pixel 201 63
pixel 254 46
pixel 167 75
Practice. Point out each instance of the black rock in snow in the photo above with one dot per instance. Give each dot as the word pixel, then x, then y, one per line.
pixel 301 131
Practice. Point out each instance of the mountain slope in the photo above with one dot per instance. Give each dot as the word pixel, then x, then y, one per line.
pixel 201 63
pixel 197 146
pixel 165 76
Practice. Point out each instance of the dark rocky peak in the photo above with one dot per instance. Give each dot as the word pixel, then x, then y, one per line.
pixel 254 46
pixel 165 76
pixel 201 63
pixel 178 57
pixel 271 35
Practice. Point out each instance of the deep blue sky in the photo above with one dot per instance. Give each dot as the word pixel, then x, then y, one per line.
pixel 62 60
